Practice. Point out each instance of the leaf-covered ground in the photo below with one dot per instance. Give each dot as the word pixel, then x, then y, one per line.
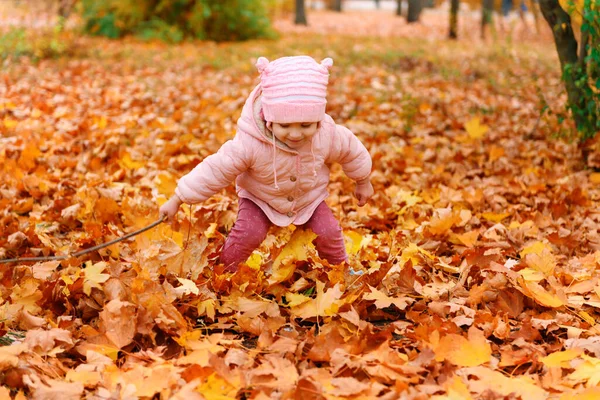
pixel 474 270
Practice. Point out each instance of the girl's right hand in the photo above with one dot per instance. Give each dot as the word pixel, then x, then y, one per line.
pixel 170 208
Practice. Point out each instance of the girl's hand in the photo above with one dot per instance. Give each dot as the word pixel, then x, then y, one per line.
pixel 364 191
pixel 170 208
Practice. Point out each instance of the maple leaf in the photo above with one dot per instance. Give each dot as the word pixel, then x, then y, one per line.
pixel 44 342
pixel 187 287
pixel 253 308
pixel 94 276
pixel 26 295
pixel 488 380
pixel 52 389
pixel 411 252
pixel 587 372
pixel 382 300
pixel 561 358
pixel 217 388
pixel 355 241
pixel 462 351
pixel 294 250
pixel 540 295
pixel 118 320
pixel 325 304
pixel 9 355
pixel 475 129
pixel 456 390
pixel 592 393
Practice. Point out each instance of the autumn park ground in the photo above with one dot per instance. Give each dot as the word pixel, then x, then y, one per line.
pixel 473 270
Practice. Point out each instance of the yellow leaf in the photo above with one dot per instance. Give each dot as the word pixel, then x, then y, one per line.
pixel 487 380
pixel 411 253
pixel 587 318
pixel 464 352
pixel 207 307
pixel 294 250
pixel 88 378
pixel 535 248
pixel 592 393
pixel 28 157
pixel 496 152
pixel 187 287
pixel 27 294
pixel 561 358
pixel 531 275
pixel 475 129
pixel 93 276
pixel 443 220
pixel 253 308
pixel 468 238
pixel 254 261
pixel 587 372
pixel 382 300
pixel 210 231
pixel 494 217
pixel 10 123
pixel 456 390
pixel 595 177
pixel 295 299
pixel 100 122
pixel 408 198
pixel 165 183
pixel 190 336
pixel 127 163
pixel 216 388
pixel 354 242
pixel 545 262
pixel 539 294
pixel 104 349
pixel 36 113
pixel 325 304
pixel 9 355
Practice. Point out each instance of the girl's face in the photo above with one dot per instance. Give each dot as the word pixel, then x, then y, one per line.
pixel 295 134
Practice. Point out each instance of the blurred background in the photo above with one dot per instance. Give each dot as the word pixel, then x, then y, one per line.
pixel 178 20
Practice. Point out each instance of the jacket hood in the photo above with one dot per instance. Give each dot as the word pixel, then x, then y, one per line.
pixel 256 124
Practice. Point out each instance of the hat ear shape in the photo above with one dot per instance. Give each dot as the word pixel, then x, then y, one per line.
pixel 328 62
pixel 261 64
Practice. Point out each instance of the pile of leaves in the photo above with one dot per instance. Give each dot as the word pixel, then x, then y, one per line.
pixel 473 271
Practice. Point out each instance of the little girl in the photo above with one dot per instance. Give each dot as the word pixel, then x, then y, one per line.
pixel 280 156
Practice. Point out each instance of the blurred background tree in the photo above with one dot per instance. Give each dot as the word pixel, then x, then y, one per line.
pixel 173 20
pixel 576 29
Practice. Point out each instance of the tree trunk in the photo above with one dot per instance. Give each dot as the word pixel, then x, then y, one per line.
pixel 487 9
pixel 337 5
pixel 377 4
pixel 398 7
pixel 566 46
pixel 300 13
pixel 454 4
pixel 414 10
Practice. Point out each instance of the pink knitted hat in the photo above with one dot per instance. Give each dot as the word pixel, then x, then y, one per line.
pixel 294 89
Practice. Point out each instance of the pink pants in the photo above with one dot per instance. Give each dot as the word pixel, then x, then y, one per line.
pixel 252 225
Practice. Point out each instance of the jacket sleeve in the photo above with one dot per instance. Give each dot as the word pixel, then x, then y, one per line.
pixel 216 171
pixel 347 150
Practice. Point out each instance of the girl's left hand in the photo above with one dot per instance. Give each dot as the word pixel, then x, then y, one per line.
pixel 364 191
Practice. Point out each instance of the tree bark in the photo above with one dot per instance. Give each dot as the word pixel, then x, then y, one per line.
pixel 414 10
pixel 566 46
pixel 487 9
pixel 398 7
pixel 300 13
pixel 454 4
pixel 337 5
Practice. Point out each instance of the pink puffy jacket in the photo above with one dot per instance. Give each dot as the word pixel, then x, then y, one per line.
pixel 286 184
